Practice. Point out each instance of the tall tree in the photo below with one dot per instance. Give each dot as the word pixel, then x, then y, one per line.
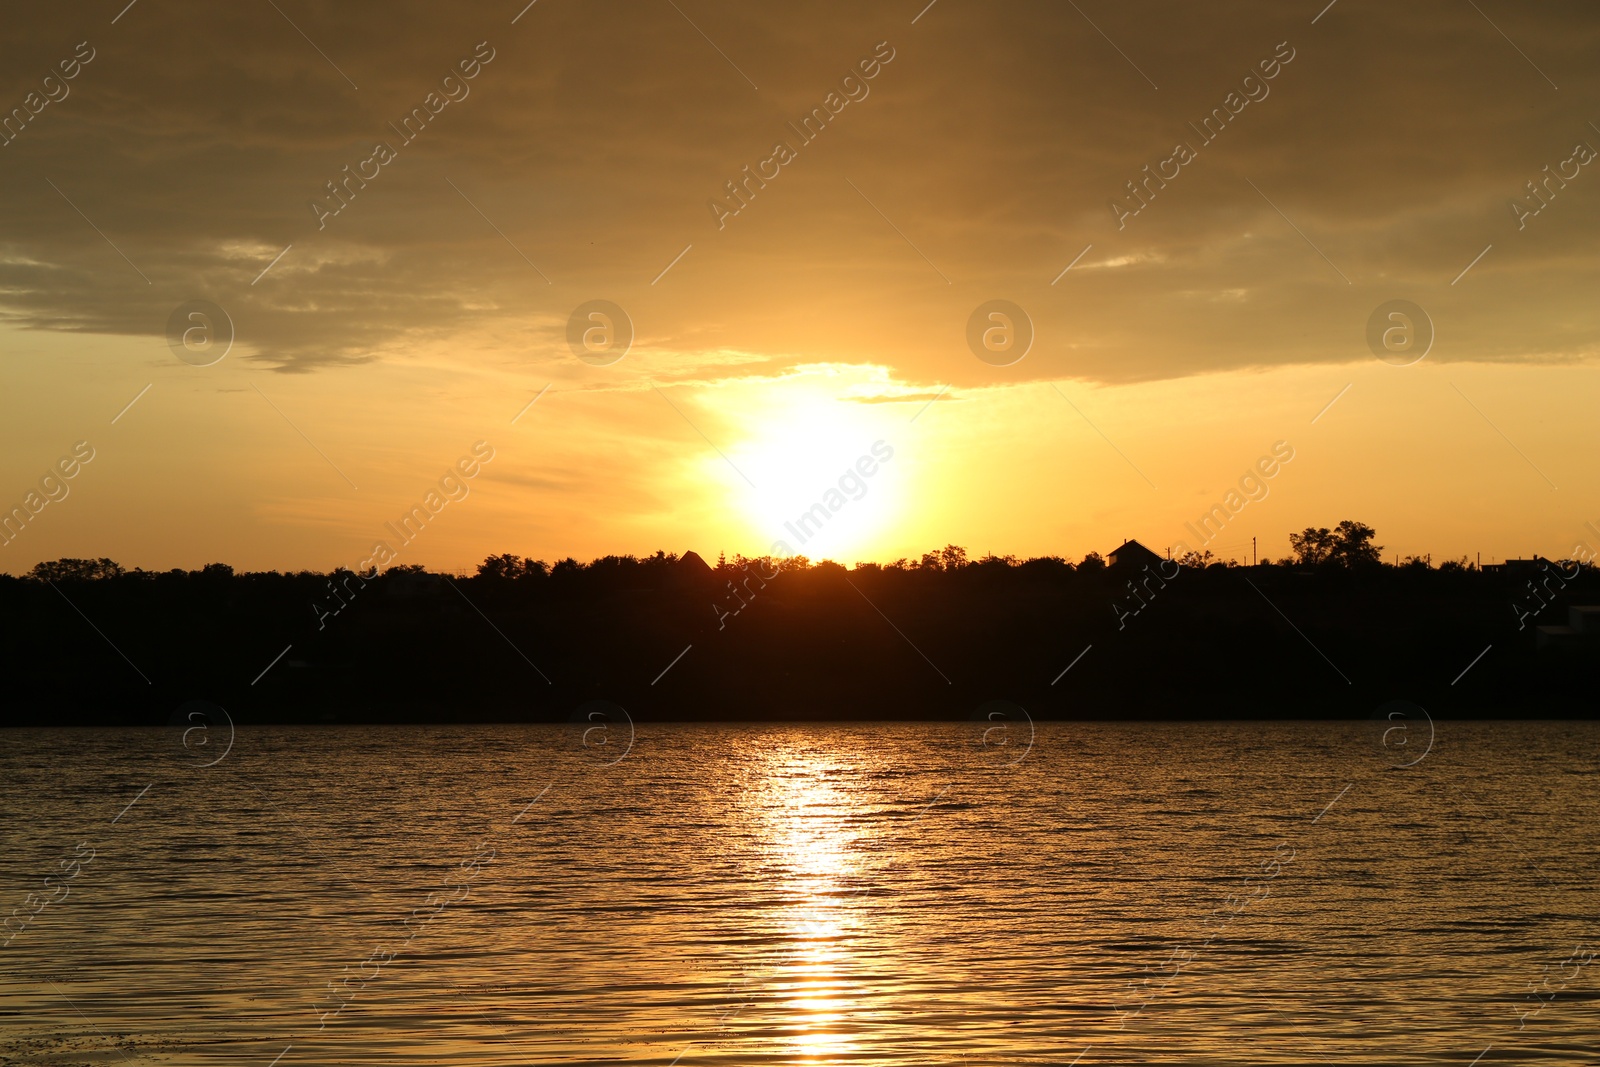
pixel 1312 546
pixel 1352 545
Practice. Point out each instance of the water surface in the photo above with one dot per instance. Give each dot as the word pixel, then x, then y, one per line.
pixel 813 894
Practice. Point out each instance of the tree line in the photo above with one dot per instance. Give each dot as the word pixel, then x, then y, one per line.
pixel 1350 545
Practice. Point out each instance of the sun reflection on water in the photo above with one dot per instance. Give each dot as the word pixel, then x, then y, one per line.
pixel 810 839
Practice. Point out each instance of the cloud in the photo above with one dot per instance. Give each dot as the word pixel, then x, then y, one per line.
pixel 1381 161
pixel 903 398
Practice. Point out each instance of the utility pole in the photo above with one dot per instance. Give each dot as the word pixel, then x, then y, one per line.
pixel 1253 552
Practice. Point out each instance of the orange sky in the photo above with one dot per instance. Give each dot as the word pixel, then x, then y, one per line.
pixel 586 158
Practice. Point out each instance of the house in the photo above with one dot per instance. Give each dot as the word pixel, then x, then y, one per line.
pixel 696 568
pixel 693 573
pixel 1131 555
pixel 1518 568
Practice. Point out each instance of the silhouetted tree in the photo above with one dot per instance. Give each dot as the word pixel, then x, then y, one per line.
pixel 506 568
pixel 1312 546
pixel 502 568
pixel 76 570
pixel 1352 545
pixel 1347 545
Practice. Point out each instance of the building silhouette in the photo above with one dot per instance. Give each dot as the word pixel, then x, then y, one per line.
pixel 1131 555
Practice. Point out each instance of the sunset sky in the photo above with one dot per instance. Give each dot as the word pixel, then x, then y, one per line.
pixel 585 158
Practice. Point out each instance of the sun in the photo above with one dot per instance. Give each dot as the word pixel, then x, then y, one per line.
pixel 820 469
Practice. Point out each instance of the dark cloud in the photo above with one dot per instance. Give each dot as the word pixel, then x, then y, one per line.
pixel 981 161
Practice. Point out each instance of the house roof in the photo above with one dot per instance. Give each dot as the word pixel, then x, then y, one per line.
pixel 1131 550
pixel 691 568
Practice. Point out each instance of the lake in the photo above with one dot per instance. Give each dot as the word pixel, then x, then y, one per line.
pixel 990 892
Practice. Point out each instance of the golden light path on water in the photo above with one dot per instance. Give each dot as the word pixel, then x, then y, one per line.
pixel 806 838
